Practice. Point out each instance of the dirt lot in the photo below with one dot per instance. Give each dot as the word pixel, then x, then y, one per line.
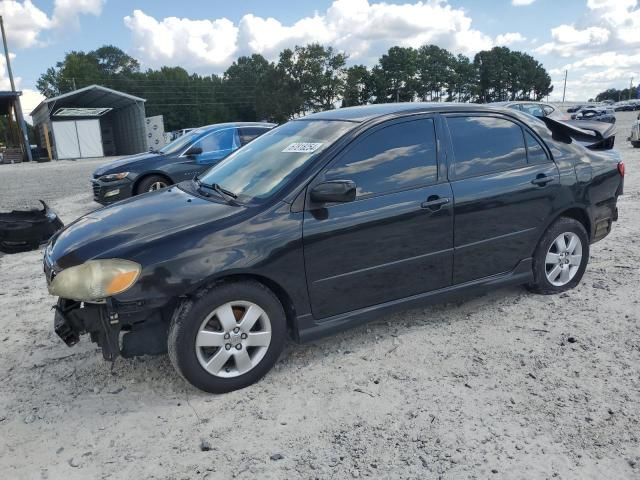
pixel 508 385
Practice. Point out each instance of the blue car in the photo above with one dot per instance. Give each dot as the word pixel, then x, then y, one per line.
pixel 182 159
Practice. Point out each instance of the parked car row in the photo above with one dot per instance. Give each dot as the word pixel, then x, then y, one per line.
pixel 627 106
pixel 325 222
pixel 601 113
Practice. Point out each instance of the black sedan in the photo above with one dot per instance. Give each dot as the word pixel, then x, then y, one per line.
pixel 328 221
pixel 182 159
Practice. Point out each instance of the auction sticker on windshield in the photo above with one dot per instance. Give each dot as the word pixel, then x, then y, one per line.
pixel 303 147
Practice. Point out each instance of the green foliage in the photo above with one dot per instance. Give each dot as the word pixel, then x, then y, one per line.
pixel 358 87
pixel 617 95
pixel 506 75
pixel 304 79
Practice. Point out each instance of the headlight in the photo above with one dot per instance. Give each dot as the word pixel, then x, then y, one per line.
pixel 95 279
pixel 113 176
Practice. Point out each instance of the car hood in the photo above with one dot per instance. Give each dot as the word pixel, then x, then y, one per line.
pixel 130 225
pixel 120 165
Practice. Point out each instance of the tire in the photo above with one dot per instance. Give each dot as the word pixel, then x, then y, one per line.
pixel 568 276
pixel 209 311
pixel 152 183
pixel 635 144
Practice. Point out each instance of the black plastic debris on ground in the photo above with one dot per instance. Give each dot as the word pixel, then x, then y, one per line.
pixel 24 230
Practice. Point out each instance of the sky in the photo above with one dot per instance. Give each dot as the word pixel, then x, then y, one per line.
pixel 597 41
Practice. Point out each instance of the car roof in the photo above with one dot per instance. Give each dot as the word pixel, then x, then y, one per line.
pixel 369 112
pixel 520 102
pixel 220 126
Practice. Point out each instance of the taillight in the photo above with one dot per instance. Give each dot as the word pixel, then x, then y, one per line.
pixel 621 168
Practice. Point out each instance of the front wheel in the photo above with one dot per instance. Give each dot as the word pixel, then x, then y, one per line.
pixel 152 183
pixel 561 257
pixel 227 337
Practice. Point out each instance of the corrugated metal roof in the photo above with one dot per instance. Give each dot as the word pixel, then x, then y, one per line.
pixel 92 96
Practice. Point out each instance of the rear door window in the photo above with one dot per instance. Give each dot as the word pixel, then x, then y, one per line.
pixel 533 109
pixel 249 133
pixel 390 159
pixel 485 144
pixel 221 140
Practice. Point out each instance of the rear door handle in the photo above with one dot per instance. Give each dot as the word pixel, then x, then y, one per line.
pixel 542 180
pixel 434 203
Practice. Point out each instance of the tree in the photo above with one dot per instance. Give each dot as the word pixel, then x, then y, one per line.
pixel 245 85
pixel 394 76
pixel 305 79
pixel 317 74
pixel 435 68
pixel 358 89
pixel 506 75
pixel 464 80
pixel 79 69
pixel 618 95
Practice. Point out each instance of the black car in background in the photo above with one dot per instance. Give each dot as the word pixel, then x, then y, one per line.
pixel 328 221
pixel 602 113
pixel 182 159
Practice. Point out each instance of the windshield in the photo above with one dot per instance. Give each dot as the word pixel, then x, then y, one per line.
pixel 268 163
pixel 180 142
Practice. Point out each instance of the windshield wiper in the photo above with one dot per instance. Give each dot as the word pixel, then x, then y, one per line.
pixel 223 192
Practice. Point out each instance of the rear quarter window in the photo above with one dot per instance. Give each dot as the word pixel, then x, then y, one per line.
pixel 535 152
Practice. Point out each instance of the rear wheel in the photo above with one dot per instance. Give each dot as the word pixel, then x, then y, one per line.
pixel 635 144
pixel 227 337
pixel 561 257
pixel 152 183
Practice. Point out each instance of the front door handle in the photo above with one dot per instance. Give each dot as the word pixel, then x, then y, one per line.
pixel 542 180
pixel 434 203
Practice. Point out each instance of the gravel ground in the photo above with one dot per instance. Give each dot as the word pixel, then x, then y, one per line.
pixel 506 385
pixel 51 181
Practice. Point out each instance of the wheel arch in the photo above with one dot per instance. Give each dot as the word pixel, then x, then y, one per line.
pixel 576 212
pixel 283 297
pixel 140 178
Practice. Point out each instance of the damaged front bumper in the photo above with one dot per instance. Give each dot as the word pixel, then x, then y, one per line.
pixel 120 329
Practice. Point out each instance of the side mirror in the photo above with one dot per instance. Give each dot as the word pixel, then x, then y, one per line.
pixel 334 191
pixel 193 151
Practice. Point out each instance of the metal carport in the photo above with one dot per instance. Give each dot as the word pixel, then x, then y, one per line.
pixel 121 120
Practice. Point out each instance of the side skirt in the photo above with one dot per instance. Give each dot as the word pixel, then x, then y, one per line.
pixel 523 273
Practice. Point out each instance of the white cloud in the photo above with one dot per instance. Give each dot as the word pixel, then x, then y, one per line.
pixel 509 38
pixel 603 49
pixel 24 22
pixel 520 3
pixel 181 40
pixel 66 12
pixel 568 40
pixel 363 29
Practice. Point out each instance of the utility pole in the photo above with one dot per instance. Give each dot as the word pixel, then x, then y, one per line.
pixel 630 87
pixel 17 106
pixel 564 91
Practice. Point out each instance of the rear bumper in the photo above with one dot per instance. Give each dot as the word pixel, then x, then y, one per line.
pixel 126 330
pixel 110 192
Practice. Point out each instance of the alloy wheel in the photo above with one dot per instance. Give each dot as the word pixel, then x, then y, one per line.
pixel 157 186
pixel 563 259
pixel 233 339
